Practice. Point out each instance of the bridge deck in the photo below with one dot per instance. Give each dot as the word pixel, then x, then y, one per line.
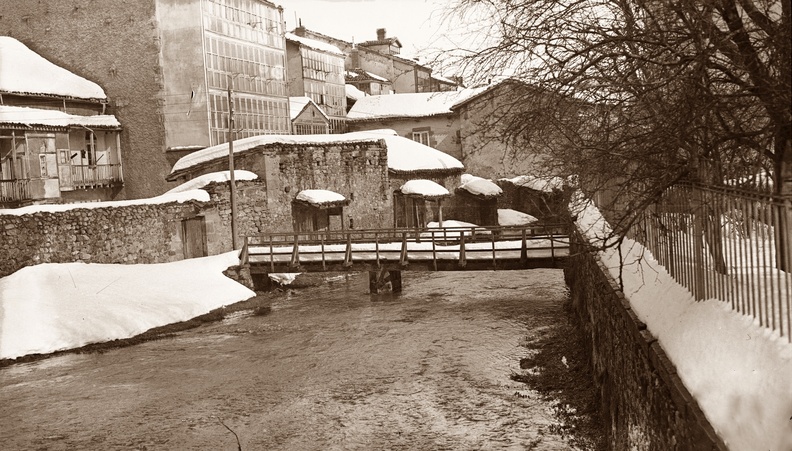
pixel 448 249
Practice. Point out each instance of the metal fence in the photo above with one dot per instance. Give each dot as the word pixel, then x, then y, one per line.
pixel 727 244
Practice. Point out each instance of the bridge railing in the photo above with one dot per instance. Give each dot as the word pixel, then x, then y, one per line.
pixel 405 245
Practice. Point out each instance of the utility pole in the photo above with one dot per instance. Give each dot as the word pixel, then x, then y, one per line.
pixel 232 182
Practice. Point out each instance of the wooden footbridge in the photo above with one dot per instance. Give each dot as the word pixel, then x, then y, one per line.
pixel 387 252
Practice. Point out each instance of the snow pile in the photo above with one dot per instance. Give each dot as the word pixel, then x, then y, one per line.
pixel 25 71
pixel 480 186
pixel 407 155
pixel 421 104
pixel 319 196
pixel 203 180
pixel 314 44
pixel 425 188
pixel 546 184
pixel 52 307
pixel 199 195
pixel 509 217
pixel 403 154
pixel 740 372
pixel 352 92
pixel 53 118
pixel 298 104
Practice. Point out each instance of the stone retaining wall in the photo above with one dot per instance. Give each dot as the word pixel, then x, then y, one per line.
pixel 129 234
pixel 644 403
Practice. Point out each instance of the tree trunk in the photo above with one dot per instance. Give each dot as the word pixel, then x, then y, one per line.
pixel 783 189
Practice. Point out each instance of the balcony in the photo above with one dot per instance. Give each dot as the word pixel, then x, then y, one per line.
pixel 89 176
pixel 14 191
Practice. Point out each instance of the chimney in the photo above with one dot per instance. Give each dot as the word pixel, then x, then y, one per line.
pixel 380 34
pixel 354 57
pixel 300 30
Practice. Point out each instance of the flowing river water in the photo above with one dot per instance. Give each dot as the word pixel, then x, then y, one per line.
pixel 326 368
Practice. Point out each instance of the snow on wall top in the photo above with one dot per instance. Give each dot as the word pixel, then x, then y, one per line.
pixel 196 194
pixel 480 186
pixel 319 196
pixel 203 180
pixel 403 154
pixel 314 44
pixel 25 71
pixel 53 118
pixel 509 217
pixel 426 188
pixel 421 104
pixel 298 104
pixel 546 184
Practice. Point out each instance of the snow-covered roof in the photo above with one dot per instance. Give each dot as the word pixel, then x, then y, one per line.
pixel 424 188
pixel 220 176
pixel 443 79
pixel 314 44
pixel 546 184
pixel 509 217
pixel 24 71
pixel 299 103
pixel 53 118
pixel 421 104
pixel 321 197
pixel 479 186
pixel 352 92
pixel 404 155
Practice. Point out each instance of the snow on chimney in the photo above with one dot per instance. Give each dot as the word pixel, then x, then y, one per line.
pixel 380 34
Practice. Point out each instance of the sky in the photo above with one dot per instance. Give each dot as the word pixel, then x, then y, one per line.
pixel 417 23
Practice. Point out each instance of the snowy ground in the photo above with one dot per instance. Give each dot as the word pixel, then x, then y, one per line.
pixel 52 307
pixel 740 372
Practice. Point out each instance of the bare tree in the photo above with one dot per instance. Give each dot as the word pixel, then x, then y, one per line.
pixel 677 89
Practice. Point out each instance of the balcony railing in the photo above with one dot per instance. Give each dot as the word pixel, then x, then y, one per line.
pixel 87 176
pixel 14 190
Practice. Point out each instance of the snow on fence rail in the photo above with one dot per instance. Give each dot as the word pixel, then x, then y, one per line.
pixel 461 244
pixel 726 244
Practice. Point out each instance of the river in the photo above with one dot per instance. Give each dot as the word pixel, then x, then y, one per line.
pixel 326 368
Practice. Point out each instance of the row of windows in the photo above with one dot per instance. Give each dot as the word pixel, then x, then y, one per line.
pixel 310 129
pixel 260 70
pixel 331 98
pixel 252 116
pixel 322 62
pixel 249 20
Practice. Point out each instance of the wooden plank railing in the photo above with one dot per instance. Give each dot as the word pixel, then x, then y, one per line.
pixel 14 190
pixel 435 247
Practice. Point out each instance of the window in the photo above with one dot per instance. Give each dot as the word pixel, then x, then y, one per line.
pixel 422 137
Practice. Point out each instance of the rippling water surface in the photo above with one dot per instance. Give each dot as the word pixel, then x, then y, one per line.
pixel 329 368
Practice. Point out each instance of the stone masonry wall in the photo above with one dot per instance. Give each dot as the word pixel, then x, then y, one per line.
pixel 644 402
pixel 130 234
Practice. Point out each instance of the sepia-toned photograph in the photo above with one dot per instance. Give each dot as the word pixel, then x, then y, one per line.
pixel 396 225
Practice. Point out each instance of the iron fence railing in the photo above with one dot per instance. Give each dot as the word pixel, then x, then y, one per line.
pixel 727 244
pixel 14 190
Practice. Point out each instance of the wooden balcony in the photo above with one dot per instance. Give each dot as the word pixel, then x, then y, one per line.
pixel 14 191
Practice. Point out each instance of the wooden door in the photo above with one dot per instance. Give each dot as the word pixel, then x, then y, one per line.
pixel 194 237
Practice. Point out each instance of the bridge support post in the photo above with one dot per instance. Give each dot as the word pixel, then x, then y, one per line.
pixel 396 281
pixel 380 280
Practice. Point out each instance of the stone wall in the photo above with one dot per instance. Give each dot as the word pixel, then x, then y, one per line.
pixel 644 403
pixel 129 234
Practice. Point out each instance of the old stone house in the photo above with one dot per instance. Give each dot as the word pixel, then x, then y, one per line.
pixel 426 118
pixel 380 57
pixel 166 66
pixel 56 143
